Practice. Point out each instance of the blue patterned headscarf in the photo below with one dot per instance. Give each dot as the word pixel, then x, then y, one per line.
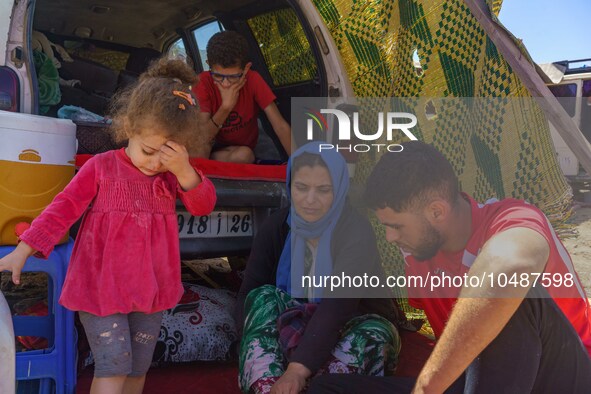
pixel 291 262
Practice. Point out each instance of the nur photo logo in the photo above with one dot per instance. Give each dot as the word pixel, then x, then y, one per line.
pixel 347 129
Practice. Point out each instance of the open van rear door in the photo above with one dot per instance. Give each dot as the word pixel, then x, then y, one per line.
pixel 15 54
pixel 570 82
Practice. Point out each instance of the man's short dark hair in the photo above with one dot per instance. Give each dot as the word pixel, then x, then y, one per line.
pixel 411 179
pixel 227 49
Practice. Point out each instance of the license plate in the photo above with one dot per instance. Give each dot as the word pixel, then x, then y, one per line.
pixel 216 224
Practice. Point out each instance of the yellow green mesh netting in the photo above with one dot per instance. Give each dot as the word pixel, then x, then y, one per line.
pixel 509 155
pixel 284 46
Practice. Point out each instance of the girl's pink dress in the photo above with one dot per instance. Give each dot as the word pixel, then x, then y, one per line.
pixel 126 255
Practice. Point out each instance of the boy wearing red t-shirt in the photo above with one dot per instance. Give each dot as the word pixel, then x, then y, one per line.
pixel 230 97
pixel 473 267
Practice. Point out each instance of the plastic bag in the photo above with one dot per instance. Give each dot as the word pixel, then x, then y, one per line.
pixel 78 114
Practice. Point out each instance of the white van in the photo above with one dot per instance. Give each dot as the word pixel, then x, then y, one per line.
pixel 570 82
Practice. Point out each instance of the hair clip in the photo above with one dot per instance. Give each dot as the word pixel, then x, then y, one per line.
pixel 182 106
pixel 185 95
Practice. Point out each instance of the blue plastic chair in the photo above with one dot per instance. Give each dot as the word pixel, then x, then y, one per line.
pixel 58 361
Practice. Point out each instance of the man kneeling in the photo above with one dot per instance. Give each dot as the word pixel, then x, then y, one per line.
pixel 493 336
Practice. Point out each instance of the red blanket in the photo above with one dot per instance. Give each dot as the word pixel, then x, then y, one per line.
pixel 218 169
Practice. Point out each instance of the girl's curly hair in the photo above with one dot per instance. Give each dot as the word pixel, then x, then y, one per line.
pixel 161 96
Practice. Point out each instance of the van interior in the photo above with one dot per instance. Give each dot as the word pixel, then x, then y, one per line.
pixel 98 49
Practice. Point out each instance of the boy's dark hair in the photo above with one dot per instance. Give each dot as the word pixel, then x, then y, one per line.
pixel 161 97
pixel 411 179
pixel 227 49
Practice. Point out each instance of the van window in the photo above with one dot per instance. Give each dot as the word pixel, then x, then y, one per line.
pixel 566 90
pixel 285 47
pixel 202 35
pixel 586 110
pixel 113 59
pixel 587 88
pixel 177 51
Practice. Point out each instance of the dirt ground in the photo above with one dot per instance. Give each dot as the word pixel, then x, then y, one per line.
pixel 579 246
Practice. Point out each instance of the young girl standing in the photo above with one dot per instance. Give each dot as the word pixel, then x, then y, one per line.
pixel 125 266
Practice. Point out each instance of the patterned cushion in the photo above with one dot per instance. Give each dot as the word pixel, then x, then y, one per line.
pixel 199 328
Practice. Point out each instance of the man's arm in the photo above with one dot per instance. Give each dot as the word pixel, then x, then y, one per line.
pixel 481 313
pixel 280 126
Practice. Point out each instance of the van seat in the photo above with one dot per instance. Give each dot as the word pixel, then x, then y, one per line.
pixel 138 61
pixel 94 77
pixel 97 84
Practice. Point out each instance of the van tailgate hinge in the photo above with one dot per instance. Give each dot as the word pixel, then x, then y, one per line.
pixel 16 57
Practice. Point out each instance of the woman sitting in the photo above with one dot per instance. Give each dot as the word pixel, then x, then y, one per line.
pixel 291 333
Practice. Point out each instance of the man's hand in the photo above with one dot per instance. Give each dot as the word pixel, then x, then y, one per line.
pixel 15 261
pixel 292 381
pixel 230 93
pixel 175 158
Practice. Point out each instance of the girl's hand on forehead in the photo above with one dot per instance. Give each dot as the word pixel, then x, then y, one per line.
pixel 175 158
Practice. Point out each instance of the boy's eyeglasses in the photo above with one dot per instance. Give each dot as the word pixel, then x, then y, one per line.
pixel 232 78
